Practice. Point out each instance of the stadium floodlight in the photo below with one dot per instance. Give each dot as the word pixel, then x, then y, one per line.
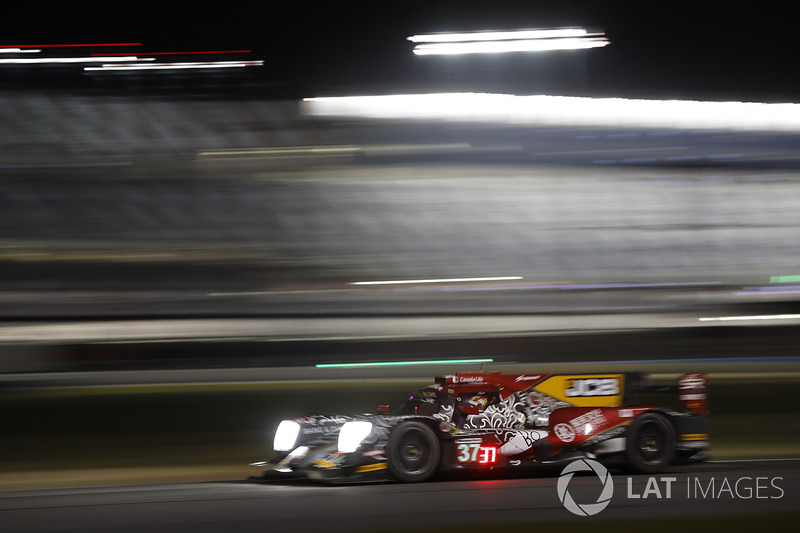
pixel 497 35
pixel 494 42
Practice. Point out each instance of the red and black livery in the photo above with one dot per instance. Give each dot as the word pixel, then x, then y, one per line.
pixel 476 421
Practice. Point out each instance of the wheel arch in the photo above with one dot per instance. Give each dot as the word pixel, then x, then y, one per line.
pixel 638 457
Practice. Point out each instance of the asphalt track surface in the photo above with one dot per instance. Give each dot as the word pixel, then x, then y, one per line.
pixel 732 490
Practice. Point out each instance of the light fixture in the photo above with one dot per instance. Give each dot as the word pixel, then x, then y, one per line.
pixel 495 42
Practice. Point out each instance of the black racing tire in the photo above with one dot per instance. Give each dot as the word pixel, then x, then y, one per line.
pixel 413 452
pixel 650 443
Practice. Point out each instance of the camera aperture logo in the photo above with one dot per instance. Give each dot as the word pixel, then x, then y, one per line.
pixel 585 509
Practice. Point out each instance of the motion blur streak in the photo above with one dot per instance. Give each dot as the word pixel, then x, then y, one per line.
pixel 293 151
pixel 46 60
pixel 497 35
pixel 508 46
pixel 179 66
pixel 78 45
pixel 196 52
pixel 507 41
pixel 562 110
pixel 447 280
pixel 757 317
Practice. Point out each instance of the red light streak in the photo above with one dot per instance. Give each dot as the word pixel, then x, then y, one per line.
pixel 68 45
pixel 183 53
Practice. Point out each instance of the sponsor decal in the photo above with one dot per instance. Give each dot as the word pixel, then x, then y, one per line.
pixel 693 397
pixel 320 429
pixel 692 392
pixel 527 378
pixel 692 382
pixel 587 421
pixel 585 509
pixel 593 387
pixel 468 379
pixel 564 432
pixel 322 420
pixel 521 440
pixel 587 390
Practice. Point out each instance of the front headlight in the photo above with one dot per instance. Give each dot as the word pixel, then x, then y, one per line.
pixel 351 435
pixel 286 436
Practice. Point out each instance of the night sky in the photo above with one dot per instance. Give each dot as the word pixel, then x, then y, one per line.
pixel 659 49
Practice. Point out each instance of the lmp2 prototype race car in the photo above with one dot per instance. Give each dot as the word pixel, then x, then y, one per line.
pixel 494 422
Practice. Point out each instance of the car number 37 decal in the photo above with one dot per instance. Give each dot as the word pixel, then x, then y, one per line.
pixel 471 451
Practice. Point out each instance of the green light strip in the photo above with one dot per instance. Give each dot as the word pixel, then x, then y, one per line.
pixel 404 363
pixel 784 279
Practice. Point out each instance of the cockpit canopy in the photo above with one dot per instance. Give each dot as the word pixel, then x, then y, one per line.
pixel 433 400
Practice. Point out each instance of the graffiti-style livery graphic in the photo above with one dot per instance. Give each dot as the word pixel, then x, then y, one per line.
pixel 476 421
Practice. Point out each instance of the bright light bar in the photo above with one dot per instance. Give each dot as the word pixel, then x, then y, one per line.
pixel 755 317
pixel 47 60
pixel 76 45
pixel 784 279
pixel 196 52
pixel 562 110
pixel 405 363
pixel 179 66
pixel 496 42
pixel 497 35
pixel 443 280
pixel 284 151
pixel 501 47
pixel 18 51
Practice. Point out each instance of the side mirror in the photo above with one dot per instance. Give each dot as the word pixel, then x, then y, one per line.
pixel 383 409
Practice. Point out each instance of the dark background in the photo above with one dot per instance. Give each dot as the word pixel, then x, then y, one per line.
pixel 706 50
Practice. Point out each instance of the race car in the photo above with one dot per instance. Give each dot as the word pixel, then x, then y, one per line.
pixel 477 421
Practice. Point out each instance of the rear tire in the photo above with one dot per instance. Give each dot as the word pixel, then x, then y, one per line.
pixel 650 443
pixel 413 452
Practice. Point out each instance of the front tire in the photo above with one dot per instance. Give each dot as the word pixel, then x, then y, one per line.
pixel 413 452
pixel 650 443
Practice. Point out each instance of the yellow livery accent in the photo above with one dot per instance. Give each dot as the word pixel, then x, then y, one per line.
pixel 694 436
pixel 585 390
pixel 371 468
pixel 324 464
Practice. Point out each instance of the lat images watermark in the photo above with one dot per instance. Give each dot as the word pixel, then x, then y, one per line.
pixel 583 502
pixel 585 509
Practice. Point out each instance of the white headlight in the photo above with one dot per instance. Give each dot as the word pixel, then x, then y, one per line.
pixel 351 435
pixel 286 436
